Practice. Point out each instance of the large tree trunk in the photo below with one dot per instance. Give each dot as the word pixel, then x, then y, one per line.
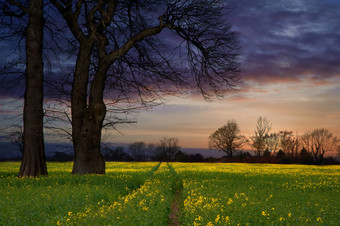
pixel 33 162
pixel 87 120
pixel 87 156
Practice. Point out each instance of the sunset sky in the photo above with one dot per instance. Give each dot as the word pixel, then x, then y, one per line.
pixel 290 70
pixel 290 75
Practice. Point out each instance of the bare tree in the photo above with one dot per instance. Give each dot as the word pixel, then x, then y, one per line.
pixel 138 150
pixel 318 142
pixel 263 127
pixel 16 137
pixel 272 142
pixel 227 138
pixel 289 143
pixel 167 148
pixel 121 50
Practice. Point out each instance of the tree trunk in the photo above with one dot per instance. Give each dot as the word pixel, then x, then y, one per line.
pixel 33 162
pixel 87 120
pixel 87 156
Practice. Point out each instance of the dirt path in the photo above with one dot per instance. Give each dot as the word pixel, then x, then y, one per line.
pixel 175 204
pixel 175 210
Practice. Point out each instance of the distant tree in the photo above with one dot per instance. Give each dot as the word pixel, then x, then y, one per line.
pixel 227 138
pixel 267 153
pixel 181 157
pixel 138 150
pixel 195 158
pixel 116 153
pixel 272 142
pixel 289 143
pixel 280 154
pixel 259 139
pixel 318 142
pixel 151 151
pixel 305 156
pixel 61 157
pixel 167 148
pixel 16 138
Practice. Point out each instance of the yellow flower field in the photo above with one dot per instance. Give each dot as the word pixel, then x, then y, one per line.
pixel 143 194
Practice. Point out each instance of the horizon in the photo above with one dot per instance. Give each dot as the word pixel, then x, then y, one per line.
pixel 8 150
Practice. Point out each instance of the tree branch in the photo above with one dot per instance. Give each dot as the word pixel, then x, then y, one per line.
pixel 17 4
pixel 140 36
pixel 71 18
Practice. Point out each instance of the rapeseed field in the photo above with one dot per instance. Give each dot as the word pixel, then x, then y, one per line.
pixel 144 193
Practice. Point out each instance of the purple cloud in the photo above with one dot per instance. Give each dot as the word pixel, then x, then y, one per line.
pixel 288 40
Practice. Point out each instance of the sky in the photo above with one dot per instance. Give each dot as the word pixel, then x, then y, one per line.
pixel 290 74
pixel 290 57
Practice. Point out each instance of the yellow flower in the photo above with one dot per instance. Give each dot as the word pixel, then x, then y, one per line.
pixel 199 218
pixel 217 218
pixel 289 214
pixel 69 213
pixel 58 223
pixel 227 219
pixel 318 219
pixel 210 224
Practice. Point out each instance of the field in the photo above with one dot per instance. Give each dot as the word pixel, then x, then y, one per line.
pixel 158 194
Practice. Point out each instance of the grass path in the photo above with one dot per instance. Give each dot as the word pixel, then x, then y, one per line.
pixel 175 203
pixel 150 204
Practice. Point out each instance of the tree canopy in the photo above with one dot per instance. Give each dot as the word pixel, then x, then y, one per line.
pixel 227 138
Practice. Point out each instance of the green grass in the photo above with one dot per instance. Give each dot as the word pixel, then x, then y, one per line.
pixel 47 200
pixel 141 194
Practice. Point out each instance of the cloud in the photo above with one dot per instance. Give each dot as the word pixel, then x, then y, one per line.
pixel 286 41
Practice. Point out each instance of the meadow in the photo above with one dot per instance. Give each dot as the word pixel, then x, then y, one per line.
pixel 145 193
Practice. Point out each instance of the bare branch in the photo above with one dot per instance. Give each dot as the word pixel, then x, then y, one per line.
pixel 19 5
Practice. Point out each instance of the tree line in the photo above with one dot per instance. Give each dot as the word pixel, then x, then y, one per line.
pixel 310 147
pixel 165 150
pixel 280 147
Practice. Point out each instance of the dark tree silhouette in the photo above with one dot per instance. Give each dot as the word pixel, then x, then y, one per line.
pixel 33 160
pixel 167 148
pixel 138 150
pixel 16 138
pixel 272 142
pixel 318 142
pixel 128 48
pixel 289 143
pixel 227 138
pixel 259 139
